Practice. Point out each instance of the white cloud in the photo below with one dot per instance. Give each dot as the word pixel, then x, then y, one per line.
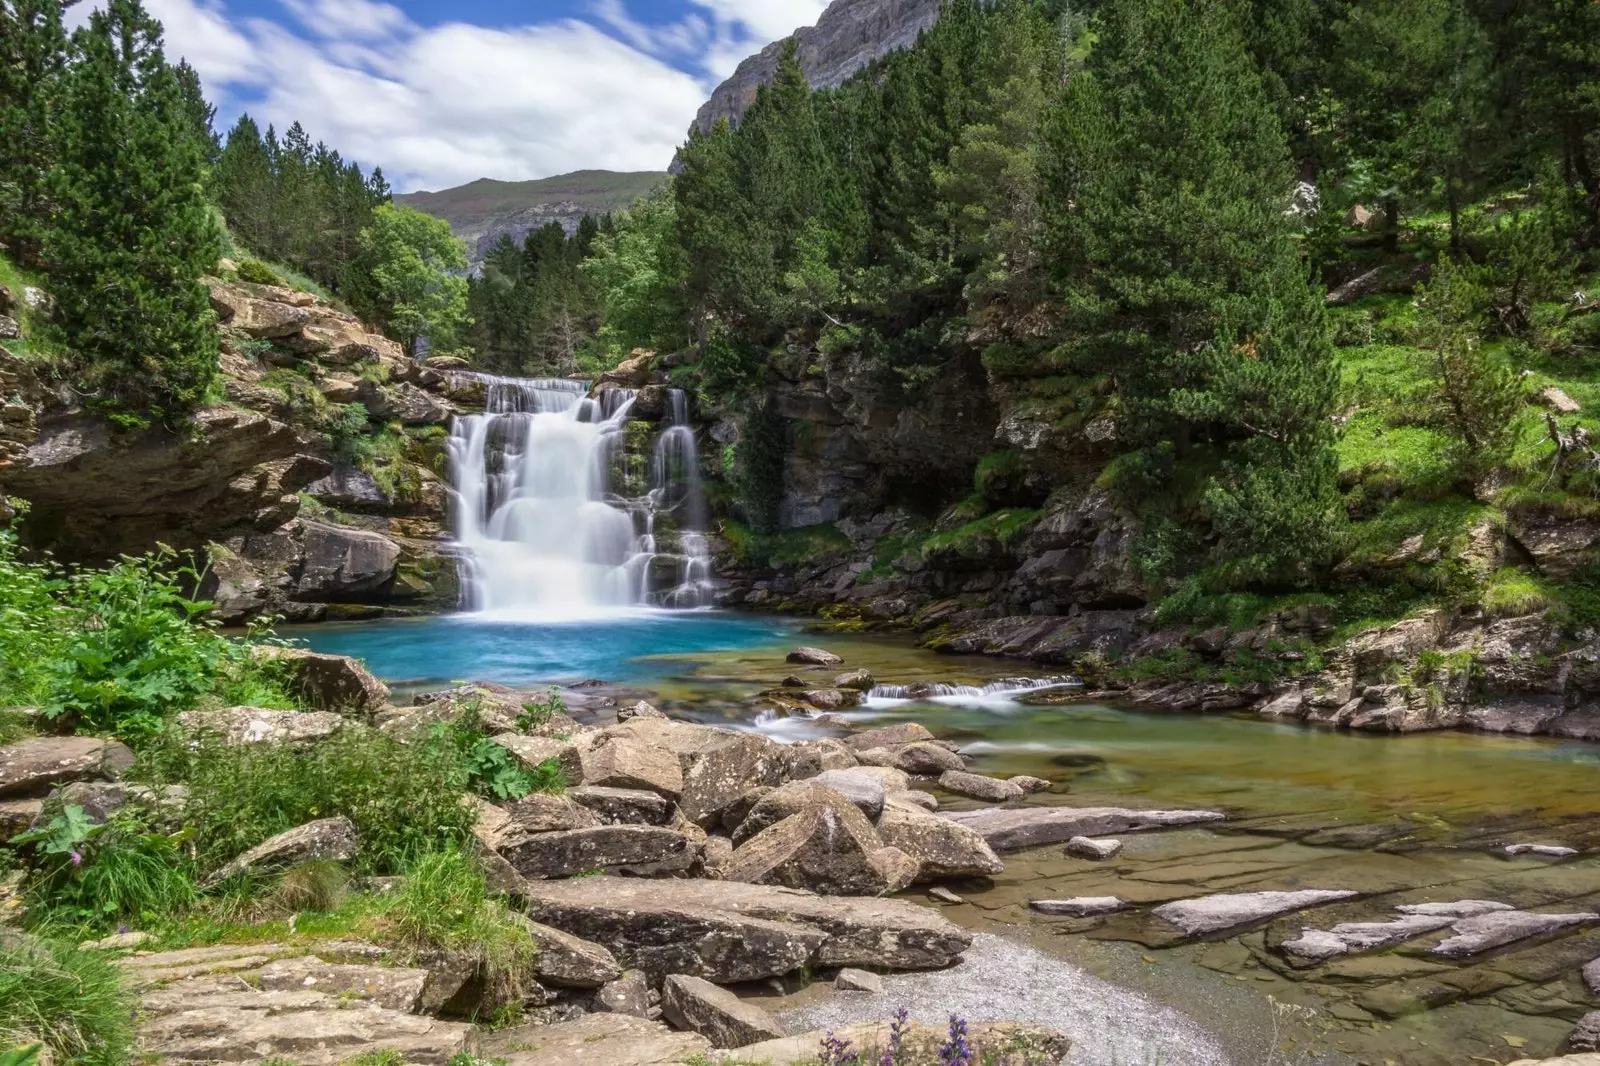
pixel 350 20
pixel 766 20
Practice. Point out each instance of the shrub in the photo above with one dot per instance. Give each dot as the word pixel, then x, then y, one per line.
pixel 95 877
pixel 345 426
pixel 1001 478
pixel 69 999
pixel 258 273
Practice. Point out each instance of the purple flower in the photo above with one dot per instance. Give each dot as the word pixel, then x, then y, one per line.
pixel 77 859
pixel 836 1052
pixel 897 1035
pixel 955 1051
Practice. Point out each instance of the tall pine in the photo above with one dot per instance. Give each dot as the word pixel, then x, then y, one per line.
pixel 33 51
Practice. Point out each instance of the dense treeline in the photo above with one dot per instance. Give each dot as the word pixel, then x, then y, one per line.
pixel 293 203
pixel 1132 210
pixel 534 311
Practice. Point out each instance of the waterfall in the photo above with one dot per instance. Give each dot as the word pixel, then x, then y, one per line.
pixel 541 511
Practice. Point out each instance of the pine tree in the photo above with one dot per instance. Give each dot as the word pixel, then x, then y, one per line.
pixel 243 182
pixel 133 233
pixel 33 51
pixel 201 112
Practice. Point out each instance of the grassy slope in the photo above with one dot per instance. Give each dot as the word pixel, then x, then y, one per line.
pixel 596 191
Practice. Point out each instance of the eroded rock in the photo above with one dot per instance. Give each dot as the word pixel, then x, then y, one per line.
pixel 979 787
pixel 1484 932
pixel 621 762
pixel 697 1005
pixel 624 806
pixel 1080 906
pixel 1090 848
pixel 236 726
pixel 827 847
pixel 814 657
pixel 637 850
pixel 942 847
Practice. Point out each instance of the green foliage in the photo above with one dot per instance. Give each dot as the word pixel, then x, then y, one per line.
pixel 1510 592
pixel 533 310
pixel 539 713
pixel 1001 478
pixel 33 54
pixel 347 428
pixel 257 272
pixel 407 278
pixel 763 447
pixel 25 1055
pixel 96 877
pixel 72 1000
pixel 131 234
pixel 638 272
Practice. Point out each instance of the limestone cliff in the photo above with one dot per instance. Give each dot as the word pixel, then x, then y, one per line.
pixel 849 35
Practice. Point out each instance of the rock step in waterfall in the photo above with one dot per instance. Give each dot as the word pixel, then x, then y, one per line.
pixel 543 511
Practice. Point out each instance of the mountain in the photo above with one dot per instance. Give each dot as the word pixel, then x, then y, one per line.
pixel 481 210
pixel 849 35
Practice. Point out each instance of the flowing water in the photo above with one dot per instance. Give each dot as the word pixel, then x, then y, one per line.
pixel 542 513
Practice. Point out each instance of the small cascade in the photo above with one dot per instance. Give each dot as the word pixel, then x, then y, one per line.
pixel 542 510
pixel 1004 690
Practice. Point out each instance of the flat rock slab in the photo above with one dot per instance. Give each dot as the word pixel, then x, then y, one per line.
pixel 1319 945
pixel 721 1017
pixel 1016 828
pixel 639 850
pixel 624 806
pixel 321 1032
pixel 728 931
pixel 237 726
pixel 850 980
pixel 1544 851
pixel 1080 906
pixel 394 987
pixel 989 1041
pixel 571 961
pixel 1230 910
pixel 33 766
pixel 1484 932
pixel 1461 908
pixel 598 1039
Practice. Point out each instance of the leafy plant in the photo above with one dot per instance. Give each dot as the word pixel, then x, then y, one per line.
pixel 538 713
pixel 98 876
pixel 71 1000
pixel 27 1055
pixel 346 427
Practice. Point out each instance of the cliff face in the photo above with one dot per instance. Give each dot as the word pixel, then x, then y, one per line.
pixel 849 35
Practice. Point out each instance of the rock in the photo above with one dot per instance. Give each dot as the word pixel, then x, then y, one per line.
pixel 1016 828
pixel 720 776
pixel 624 806
pixel 628 994
pixel 236 726
pixel 100 800
pixel 718 856
pixel 571 961
pixel 827 847
pixel 611 1039
pixel 638 850
pixel 118 942
pixel 1230 910
pixel 341 564
pixel 814 657
pixel 927 758
pixel 942 848
pixel 860 788
pixel 1585 1036
pixel 849 980
pixel 621 762
pixel 395 988
pixel 537 813
pixel 1080 906
pixel 329 682
pixel 923 801
pixel 261 319
pixel 889 736
pixel 1464 908
pixel 637 709
pixel 1558 401
pixel 1548 851
pixel 944 895
pixel 715 1013
pixel 1319 945
pixel 793 681
pixel 308 1028
pixel 332 839
pixel 1484 932
pixel 1030 784
pixel 860 680
pixel 9 329
pixel 18 815
pixel 1591 977
pixel 534 752
pixel 991 1043
pixel 1090 848
pixel 769 806
pixel 728 931
pixel 819 756
pixel 891 779
pixel 31 767
pixel 976 786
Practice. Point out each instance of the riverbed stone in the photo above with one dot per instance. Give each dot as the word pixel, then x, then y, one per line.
pixel 534 752
pixel 1080 906
pixel 889 736
pixel 1206 915
pixel 729 931
pixel 1461 908
pixel 913 797
pixel 1092 848
pixel 638 709
pixel 699 1006
pixel 1030 784
pixel 828 847
pixel 941 847
pixel 237 726
pixel 979 787
pixel 944 895
pixel 1016 828
pixel 620 762
pixel 637 850
pixel 721 775
pixel 328 839
pixel 32 767
pixel 624 806
pixel 862 789
pixel 1484 932
pixel 1585 1036
pixel 853 980
pixel 814 657
pixel 927 759
pixel 860 680
pixel 1591 977
pixel 1314 946
pixel 1544 851
pixel 612 1039
pixel 813 757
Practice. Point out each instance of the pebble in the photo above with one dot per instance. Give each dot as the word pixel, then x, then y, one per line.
pixel 1080 906
pixel 944 895
pixel 1548 851
pixel 1090 848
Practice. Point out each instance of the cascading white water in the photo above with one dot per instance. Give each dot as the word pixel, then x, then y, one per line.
pixel 541 531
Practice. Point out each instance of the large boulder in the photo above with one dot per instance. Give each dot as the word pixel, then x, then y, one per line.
pixel 32 767
pixel 329 838
pixel 534 752
pixel 342 563
pixel 979 787
pixel 814 657
pixel 769 806
pixel 720 776
pixel 263 319
pixel 941 847
pixel 623 762
pixel 328 682
pixel 699 1006
pixel 571 961
pixel 624 806
pixel 864 790
pixel 638 850
pixel 889 736
pixel 927 759
pixel 728 931
pixel 237 726
pixel 827 847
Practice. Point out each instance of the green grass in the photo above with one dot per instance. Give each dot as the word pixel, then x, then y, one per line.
pixel 36 346
pixel 1510 592
pixel 977 539
pixel 790 547
pixel 72 1001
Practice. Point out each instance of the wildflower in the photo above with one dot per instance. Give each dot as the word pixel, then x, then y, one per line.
pixel 955 1051
pixel 77 858
pixel 836 1052
pixel 897 1035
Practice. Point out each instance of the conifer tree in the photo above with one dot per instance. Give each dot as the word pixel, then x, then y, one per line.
pixel 33 51
pixel 133 233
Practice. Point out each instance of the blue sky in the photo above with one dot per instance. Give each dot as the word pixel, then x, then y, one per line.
pixel 439 93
